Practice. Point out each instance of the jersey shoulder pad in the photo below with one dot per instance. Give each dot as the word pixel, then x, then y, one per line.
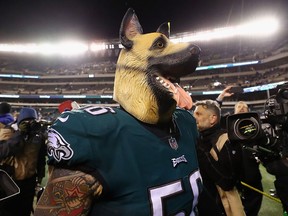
pixel 73 132
pixel 89 120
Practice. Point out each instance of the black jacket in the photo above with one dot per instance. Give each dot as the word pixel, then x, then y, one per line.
pixel 225 172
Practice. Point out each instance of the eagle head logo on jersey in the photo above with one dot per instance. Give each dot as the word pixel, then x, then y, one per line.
pixel 148 70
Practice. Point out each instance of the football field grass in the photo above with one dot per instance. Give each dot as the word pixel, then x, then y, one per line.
pixel 269 207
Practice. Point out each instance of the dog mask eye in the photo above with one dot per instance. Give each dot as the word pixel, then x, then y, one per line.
pixel 159 44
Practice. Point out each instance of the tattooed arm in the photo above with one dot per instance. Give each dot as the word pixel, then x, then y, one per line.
pixel 68 192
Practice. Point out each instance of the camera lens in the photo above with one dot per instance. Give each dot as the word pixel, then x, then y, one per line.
pixel 35 126
pixel 247 128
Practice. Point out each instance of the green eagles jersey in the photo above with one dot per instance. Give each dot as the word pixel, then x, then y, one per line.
pixel 140 173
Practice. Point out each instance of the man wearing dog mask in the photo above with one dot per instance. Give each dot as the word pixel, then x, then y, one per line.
pixel 139 159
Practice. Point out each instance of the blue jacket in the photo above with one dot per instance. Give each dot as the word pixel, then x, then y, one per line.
pixel 6 118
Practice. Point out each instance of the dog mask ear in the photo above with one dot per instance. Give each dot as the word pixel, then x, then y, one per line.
pixel 130 27
pixel 164 28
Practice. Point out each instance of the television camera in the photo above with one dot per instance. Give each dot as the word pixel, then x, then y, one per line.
pixel 265 135
pixel 37 126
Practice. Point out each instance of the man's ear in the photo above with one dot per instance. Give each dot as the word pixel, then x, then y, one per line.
pixel 130 27
pixel 213 119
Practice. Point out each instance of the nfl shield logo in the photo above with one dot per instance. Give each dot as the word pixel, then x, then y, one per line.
pixel 173 143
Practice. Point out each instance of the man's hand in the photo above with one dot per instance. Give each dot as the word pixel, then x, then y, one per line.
pixel 225 93
pixel 24 127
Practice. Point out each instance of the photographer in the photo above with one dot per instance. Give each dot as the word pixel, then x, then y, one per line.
pixel 251 199
pixel 27 164
pixel 267 138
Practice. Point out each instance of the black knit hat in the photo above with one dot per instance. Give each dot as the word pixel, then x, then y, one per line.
pixel 4 108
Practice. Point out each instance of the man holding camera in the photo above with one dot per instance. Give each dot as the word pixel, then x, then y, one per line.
pixel 27 165
pixel 251 199
pixel 267 139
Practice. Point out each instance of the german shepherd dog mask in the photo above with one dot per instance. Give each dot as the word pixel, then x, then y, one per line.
pixel 147 67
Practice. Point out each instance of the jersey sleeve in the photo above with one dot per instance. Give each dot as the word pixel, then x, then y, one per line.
pixel 73 136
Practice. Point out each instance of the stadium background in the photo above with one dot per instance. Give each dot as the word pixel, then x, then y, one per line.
pixel 258 65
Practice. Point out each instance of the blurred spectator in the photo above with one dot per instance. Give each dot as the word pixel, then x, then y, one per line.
pixel 28 164
pixel 5 115
pixel 6 132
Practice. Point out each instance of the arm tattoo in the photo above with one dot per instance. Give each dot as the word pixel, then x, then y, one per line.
pixel 68 192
